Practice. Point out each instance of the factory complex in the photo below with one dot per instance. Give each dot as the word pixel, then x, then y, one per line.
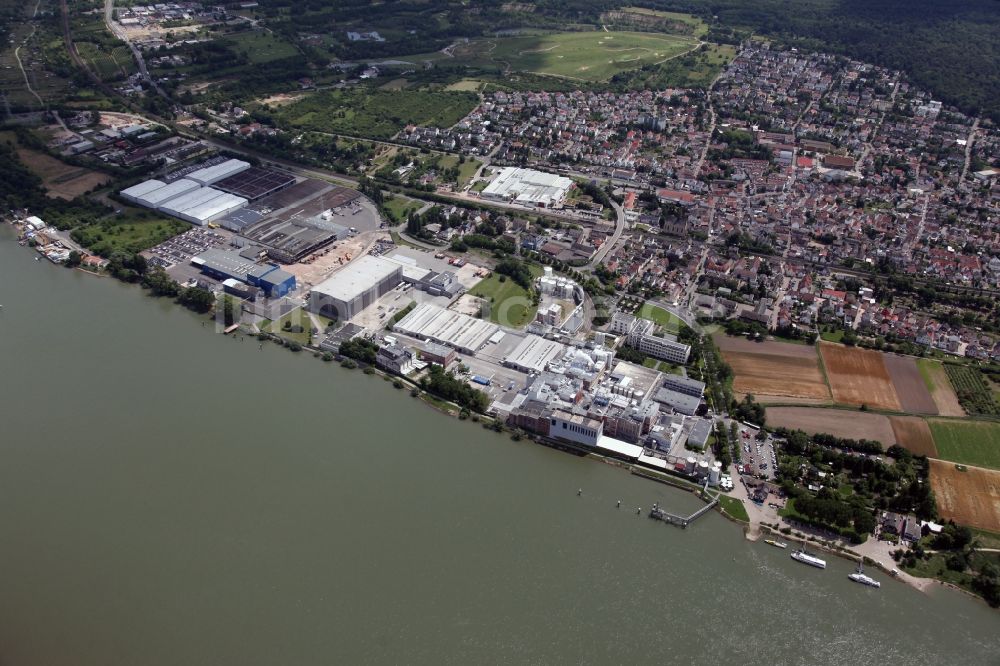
pixel 527 187
pixel 257 232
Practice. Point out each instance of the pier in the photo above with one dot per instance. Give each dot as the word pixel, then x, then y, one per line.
pixel 656 513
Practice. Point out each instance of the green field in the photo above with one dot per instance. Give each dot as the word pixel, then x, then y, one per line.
pixel 734 507
pixel 669 322
pixel 133 232
pixel 401 207
pixel 968 442
pixel 588 56
pixel 378 114
pixel 509 303
pixel 260 47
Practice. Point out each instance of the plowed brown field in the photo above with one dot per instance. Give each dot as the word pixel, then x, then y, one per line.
pixel 859 377
pixel 774 368
pixel 969 498
pixel 914 435
pixel 909 384
pixel 836 422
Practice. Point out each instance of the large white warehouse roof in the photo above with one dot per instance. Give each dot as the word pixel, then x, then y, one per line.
pixel 433 322
pixel 528 187
pixel 217 172
pixel 167 193
pixel 142 189
pixel 201 205
pixel 534 353
pixel 356 278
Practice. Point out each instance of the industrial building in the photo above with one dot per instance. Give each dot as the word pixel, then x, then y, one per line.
pixel 681 403
pixel 202 206
pixel 641 334
pixel 272 280
pixel 533 354
pixel 528 187
pixel 223 264
pixel 216 172
pixel 685 385
pixel 663 346
pixel 462 332
pixel 355 287
pixel 152 193
pixel 185 199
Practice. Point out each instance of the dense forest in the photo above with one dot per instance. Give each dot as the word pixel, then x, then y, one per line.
pixel 950 48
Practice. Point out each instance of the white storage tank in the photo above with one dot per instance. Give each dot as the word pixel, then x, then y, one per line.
pixel 703 469
pixel 690 464
pixel 715 474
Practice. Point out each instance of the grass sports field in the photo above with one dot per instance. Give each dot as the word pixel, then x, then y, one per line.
pixel 967 442
pixel 589 56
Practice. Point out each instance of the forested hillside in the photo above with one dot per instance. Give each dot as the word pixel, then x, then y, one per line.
pixel 951 48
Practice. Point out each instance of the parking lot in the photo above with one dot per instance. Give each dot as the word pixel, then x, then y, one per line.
pixel 179 249
pixel 758 455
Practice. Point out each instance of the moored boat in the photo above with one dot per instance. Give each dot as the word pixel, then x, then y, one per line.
pixel 860 576
pixel 776 544
pixel 802 556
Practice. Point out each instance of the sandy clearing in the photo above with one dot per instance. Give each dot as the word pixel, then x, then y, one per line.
pixel 836 422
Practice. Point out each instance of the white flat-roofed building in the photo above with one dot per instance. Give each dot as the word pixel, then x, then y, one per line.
pixel 533 354
pixel 213 208
pixel 168 192
pixel 135 192
pixel 664 346
pixel 355 287
pixel 433 322
pixel 154 193
pixel 216 172
pixel 619 448
pixel 527 187
pixel 201 205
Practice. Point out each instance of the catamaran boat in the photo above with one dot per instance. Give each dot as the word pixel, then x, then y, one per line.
pixel 802 556
pixel 860 576
pixel 776 544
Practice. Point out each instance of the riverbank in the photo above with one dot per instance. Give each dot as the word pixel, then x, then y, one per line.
pixel 454 410
pixel 234 506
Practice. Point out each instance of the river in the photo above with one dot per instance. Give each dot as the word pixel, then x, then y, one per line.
pixel 173 496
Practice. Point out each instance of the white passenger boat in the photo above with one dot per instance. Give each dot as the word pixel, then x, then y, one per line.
pixel 860 576
pixel 802 556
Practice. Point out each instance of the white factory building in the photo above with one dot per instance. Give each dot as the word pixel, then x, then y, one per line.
pixel 527 187
pixel 534 354
pixel 190 198
pixel 355 287
pixel 202 205
pixel 216 172
pixel 462 332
